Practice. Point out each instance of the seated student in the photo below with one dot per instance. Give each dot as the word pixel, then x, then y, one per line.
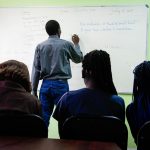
pixel 15 88
pixel 100 95
pixel 138 112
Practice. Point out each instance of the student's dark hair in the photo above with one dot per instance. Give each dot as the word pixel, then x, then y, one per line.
pixel 97 67
pixel 141 85
pixel 15 71
pixel 52 27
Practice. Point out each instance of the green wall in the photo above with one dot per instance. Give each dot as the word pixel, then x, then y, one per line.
pixel 68 2
pixel 20 3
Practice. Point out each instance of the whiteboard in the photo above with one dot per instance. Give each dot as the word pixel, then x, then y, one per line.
pixel 119 30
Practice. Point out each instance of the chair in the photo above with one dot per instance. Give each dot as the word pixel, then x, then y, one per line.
pixel 104 128
pixel 143 137
pixel 17 123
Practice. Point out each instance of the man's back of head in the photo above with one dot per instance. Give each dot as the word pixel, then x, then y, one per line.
pixel 52 27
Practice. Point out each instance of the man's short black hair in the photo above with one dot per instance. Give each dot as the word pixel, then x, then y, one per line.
pixel 52 27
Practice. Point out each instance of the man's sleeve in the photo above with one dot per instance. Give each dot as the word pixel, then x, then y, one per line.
pixel 35 72
pixel 75 53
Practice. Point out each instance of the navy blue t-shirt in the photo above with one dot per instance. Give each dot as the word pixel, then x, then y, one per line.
pixel 90 102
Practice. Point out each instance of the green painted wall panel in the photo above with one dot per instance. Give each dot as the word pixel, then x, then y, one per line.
pixel 68 2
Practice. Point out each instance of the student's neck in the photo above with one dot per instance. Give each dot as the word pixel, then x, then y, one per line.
pixel 89 84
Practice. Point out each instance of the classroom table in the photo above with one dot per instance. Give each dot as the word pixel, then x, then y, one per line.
pixel 18 143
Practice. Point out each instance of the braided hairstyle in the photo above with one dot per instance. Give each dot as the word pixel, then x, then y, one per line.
pixel 97 67
pixel 141 85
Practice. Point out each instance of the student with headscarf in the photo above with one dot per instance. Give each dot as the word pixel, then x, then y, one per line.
pixel 15 88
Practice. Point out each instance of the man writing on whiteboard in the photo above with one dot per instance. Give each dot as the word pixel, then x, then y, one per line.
pixel 52 64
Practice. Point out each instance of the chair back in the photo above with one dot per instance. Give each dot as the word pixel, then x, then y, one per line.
pixel 104 128
pixel 18 123
pixel 143 137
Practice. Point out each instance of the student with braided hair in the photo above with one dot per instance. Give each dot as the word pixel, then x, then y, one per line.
pixel 138 111
pixel 100 95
